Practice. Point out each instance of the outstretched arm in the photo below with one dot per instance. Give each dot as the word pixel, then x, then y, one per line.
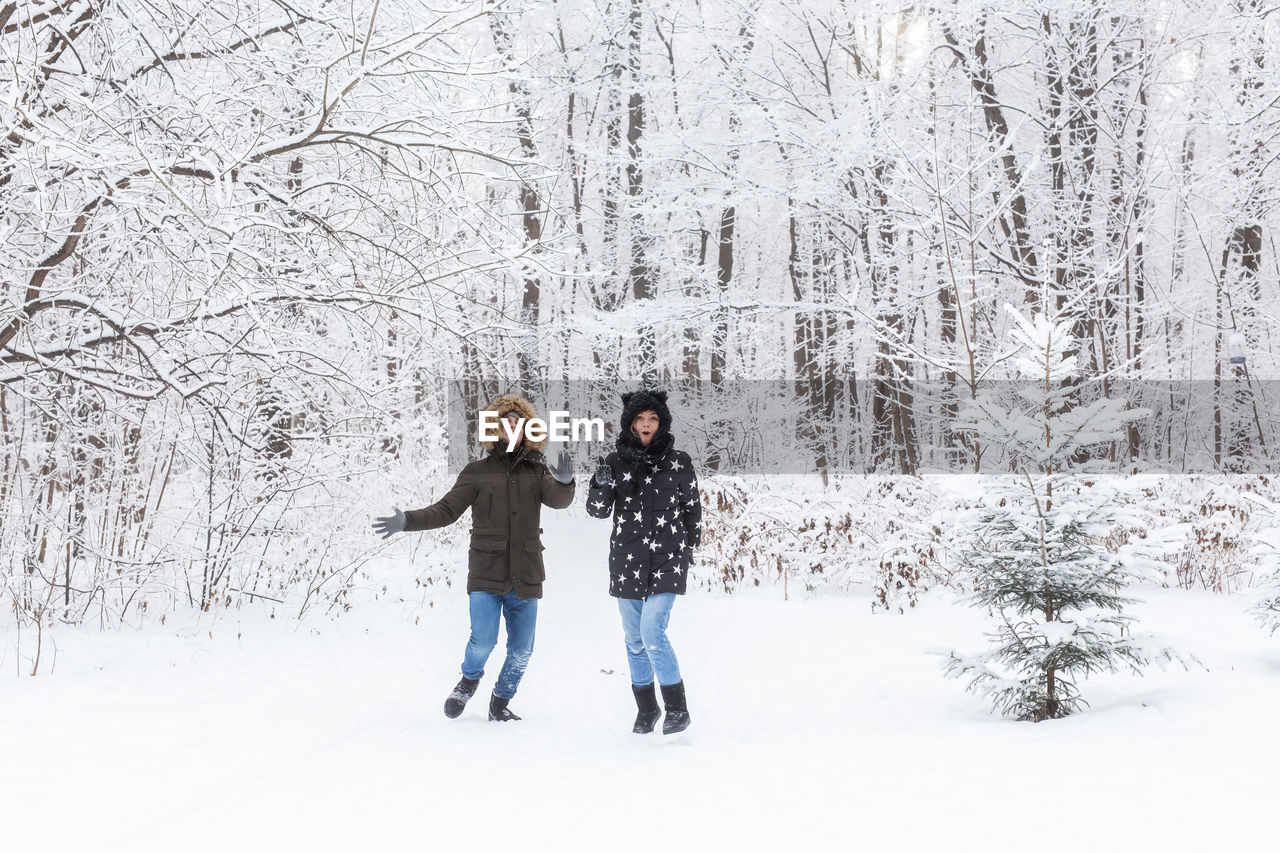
pixel 446 510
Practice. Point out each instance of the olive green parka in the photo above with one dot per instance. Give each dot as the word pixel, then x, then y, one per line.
pixel 505 493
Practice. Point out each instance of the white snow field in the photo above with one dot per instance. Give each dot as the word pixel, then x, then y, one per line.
pixel 816 726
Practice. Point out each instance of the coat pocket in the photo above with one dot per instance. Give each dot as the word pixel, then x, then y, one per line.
pixel 488 559
pixel 534 571
pixel 482 509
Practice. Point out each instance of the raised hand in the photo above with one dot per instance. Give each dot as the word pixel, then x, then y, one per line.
pixel 604 474
pixel 563 469
pixel 386 525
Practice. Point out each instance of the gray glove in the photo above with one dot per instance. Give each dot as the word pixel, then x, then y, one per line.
pixel 563 469
pixel 604 474
pixel 389 524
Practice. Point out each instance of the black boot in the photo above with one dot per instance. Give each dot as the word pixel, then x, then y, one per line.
pixel 647 702
pixel 458 698
pixel 677 719
pixel 498 709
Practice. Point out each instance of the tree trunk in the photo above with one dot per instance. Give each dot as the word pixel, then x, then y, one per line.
pixel 643 287
pixel 1014 223
pixel 531 206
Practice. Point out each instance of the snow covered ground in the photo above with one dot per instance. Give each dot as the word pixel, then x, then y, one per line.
pixel 816 726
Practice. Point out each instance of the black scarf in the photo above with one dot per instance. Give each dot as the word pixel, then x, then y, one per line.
pixel 634 453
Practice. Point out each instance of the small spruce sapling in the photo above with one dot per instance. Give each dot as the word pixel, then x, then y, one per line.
pixel 1039 561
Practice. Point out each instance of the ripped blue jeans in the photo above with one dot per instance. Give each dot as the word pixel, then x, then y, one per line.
pixel 522 618
pixel 644 627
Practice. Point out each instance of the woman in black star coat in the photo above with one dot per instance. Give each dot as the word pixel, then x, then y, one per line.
pixel 651 491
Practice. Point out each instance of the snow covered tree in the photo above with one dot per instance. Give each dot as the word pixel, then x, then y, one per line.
pixel 1266 608
pixel 234 242
pixel 1040 561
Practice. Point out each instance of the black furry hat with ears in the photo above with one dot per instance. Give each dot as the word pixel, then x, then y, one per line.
pixel 646 400
pixel 628 443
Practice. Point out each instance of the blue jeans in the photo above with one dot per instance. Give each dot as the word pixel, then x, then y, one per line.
pixel 649 652
pixel 522 617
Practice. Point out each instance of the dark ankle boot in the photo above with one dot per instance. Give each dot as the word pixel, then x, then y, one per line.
pixel 677 719
pixel 458 698
pixel 647 703
pixel 498 710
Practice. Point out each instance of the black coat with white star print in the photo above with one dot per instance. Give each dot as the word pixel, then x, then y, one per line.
pixel 657 519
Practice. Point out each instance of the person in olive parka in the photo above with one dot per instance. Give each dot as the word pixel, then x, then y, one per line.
pixel 505 491
pixel 651 491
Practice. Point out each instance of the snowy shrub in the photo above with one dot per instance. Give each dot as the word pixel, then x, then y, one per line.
pixel 1218 522
pixel 891 539
pixel 1267 608
pixel 221 525
pixel 874 535
pixel 1266 556
pixel 1039 557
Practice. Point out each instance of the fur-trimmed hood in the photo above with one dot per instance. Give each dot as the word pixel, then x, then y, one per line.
pixel 503 404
